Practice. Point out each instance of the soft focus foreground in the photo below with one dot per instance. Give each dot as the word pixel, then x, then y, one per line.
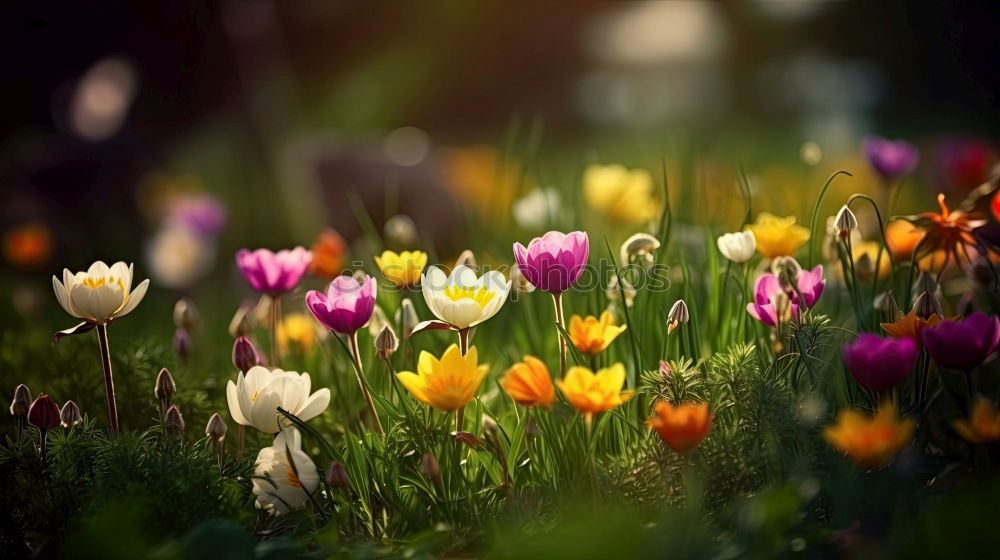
pixel 727 345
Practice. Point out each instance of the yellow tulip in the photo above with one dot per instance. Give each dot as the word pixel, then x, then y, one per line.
pixel 871 442
pixel 592 335
pixel 777 237
pixel 620 194
pixel 529 383
pixel 983 426
pixel 296 330
pixel 591 392
pixel 402 269
pixel 447 384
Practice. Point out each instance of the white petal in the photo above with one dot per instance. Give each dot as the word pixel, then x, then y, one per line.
pixel 134 298
pixel 233 398
pixel 463 277
pixel 315 406
pixel 121 271
pixel 461 313
pixel 62 295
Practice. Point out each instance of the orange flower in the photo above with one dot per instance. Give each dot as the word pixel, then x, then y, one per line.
pixel 901 237
pixel 983 425
pixel 910 325
pixel 870 441
pixel 949 231
pixel 328 252
pixel 681 427
pixel 591 392
pixel 593 335
pixel 27 246
pixel 529 383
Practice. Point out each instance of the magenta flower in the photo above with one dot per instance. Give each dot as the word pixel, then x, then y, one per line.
pixel 766 292
pixel 554 261
pixel 810 284
pixel 879 364
pixel 273 273
pixel 962 344
pixel 346 306
pixel 891 158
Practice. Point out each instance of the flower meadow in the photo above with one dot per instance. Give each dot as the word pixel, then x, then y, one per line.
pixel 601 372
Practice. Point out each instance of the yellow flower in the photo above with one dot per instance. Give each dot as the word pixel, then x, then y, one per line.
pixel 619 194
pixel 866 255
pixel 591 393
pixel 871 442
pixel 593 335
pixel 777 237
pixel 402 269
pixel 529 383
pixel 298 331
pixel 983 426
pixel 447 384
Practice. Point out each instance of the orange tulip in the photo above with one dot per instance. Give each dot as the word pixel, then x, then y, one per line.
pixel 591 392
pixel 592 335
pixel 870 441
pixel 983 425
pixel 901 237
pixel 529 383
pixel 682 427
pixel 329 251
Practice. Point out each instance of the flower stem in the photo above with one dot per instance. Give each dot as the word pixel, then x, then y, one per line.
pixel 109 382
pixel 561 321
pixel 356 354
pixel 275 317
pixel 463 345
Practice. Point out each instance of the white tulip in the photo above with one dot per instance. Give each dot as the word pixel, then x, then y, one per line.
pixel 284 475
pixel 464 300
pixel 101 294
pixel 738 247
pixel 255 397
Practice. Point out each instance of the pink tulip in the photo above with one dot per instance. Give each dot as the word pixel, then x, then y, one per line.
pixel 273 273
pixel 346 306
pixel 554 261
pixel 764 305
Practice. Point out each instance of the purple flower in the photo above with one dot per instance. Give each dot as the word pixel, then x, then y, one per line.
pixel 201 213
pixel 766 294
pixel 879 364
pixel 810 284
pixel 962 344
pixel 891 158
pixel 346 306
pixel 554 261
pixel 273 273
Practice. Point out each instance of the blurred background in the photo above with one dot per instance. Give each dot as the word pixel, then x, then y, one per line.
pixel 172 133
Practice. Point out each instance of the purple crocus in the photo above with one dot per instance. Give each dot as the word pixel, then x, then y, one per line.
pixel 810 284
pixel 963 344
pixel 201 213
pixel 346 306
pixel 879 364
pixel 891 158
pixel 554 261
pixel 273 273
pixel 766 294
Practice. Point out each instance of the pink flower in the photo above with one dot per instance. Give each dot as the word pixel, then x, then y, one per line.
pixel 765 298
pixel 346 306
pixel 810 284
pixel 879 364
pixel 554 261
pixel 273 273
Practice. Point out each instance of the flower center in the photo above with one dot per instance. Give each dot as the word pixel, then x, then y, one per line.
pixel 253 397
pixel 293 479
pixel 94 283
pixel 482 296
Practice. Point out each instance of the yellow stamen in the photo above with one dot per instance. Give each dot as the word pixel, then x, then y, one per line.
pixel 481 297
pixel 293 479
pixel 94 283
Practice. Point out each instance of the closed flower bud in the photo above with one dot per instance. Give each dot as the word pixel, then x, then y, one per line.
pixel 738 247
pixel 186 315
pixel 638 249
pixel 240 323
pixel 400 231
pixel 924 283
pixel 165 386
pixel 43 413
pixel 677 316
pixel 787 269
pixel 430 467
pixel 70 415
pixel 173 420
pixel 216 428
pixel 245 355
pixel 21 401
pixel 407 317
pixel 467 258
pixel 377 320
pixel 336 476
pixel 533 429
pixel 927 305
pixel 386 343
pixel 886 303
pixel 182 344
pixel 845 223
pixel 519 282
pixel 864 267
pixel 666 372
pixel 489 424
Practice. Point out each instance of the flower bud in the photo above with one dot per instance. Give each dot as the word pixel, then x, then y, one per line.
pixel 845 223
pixel 886 303
pixel 787 269
pixel 677 316
pixel 615 294
pixel 216 428
pixel 186 315
pixel 70 415
pixel 924 283
pixel 430 467
pixel 864 267
pixel 386 343
pixel 173 421
pixel 489 424
pixel 400 231
pixel 467 258
pixel 666 372
pixel 240 323
pixel 336 476
pixel 165 386
pixel 407 317
pixel 182 344
pixel 532 429
pixel 520 283
pixel 43 413
pixel 21 401
pixel 638 249
pixel 245 355
pixel 927 305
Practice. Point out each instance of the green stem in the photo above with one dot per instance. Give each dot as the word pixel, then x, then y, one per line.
pixel 356 355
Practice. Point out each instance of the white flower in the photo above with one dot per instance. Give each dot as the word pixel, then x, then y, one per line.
pixel 101 294
pixel 255 397
pixel 738 247
pixel 177 256
pixel 536 208
pixel 283 474
pixel 464 300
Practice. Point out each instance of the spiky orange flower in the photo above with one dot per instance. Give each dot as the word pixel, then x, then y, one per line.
pixel 910 325
pixel 949 231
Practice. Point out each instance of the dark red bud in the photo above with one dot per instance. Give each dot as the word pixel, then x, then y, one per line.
pixel 44 413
